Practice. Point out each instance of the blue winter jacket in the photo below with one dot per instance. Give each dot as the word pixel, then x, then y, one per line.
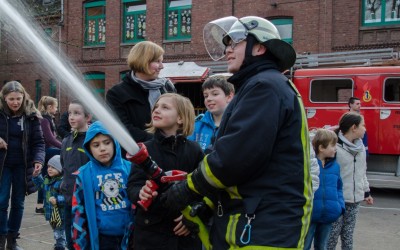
pixel 100 202
pixel 204 129
pixel 51 187
pixel 328 202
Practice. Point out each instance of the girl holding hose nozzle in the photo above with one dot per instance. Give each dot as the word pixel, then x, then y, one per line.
pixel 172 121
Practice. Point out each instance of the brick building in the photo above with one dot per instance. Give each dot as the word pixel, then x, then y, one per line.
pixel 97 35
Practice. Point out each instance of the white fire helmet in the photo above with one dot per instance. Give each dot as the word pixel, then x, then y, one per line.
pixel 218 33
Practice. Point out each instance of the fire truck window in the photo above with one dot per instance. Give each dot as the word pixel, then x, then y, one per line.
pixel 392 90
pixel 331 90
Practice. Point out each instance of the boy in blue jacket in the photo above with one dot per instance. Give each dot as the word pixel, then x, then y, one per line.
pixel 54 201
pixel 328 202
pixel 103 212
pixel 218 93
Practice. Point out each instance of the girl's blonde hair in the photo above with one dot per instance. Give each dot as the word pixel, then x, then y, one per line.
pixel 142 54
pixel 46 101
pixel 185 110
pixel 27 105
pixel 324 137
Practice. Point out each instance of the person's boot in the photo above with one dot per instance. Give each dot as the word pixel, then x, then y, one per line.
pixel 3 242
pixel 12 242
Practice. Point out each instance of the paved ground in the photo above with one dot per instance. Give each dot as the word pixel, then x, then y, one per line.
pixel 36 233
pixel 377 226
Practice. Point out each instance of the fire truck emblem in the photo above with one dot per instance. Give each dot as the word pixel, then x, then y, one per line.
pixel 367 95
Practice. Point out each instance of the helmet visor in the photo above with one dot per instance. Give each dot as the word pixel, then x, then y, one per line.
pixel 213 35
pixel 237 33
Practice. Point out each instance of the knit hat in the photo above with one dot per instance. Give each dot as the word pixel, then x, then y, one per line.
pixel 55 163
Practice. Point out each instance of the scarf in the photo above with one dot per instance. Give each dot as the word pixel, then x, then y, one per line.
pixel 153 87
pixel 353 148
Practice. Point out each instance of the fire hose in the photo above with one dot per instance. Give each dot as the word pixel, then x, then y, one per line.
pixel 161 179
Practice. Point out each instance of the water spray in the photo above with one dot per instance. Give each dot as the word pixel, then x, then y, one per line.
pixel 66 72
pixel 136 153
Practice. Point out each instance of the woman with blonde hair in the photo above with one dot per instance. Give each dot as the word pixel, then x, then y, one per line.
pixel 133 98
pixel 22 150
pixel 48 108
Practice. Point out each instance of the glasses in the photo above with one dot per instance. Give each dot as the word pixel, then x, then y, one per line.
pixel 233 44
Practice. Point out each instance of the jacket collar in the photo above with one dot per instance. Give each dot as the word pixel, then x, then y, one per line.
pixel 244 74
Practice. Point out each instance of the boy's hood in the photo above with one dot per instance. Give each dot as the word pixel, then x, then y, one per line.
pixel 98 128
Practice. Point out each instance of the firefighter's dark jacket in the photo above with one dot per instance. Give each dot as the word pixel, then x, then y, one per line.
pixel 261 163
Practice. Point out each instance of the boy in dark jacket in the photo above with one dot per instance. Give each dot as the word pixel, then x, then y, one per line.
pixel 72 158
pixel 101 208
pixel 54 201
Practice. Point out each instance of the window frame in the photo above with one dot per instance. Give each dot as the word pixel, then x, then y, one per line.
pixel 384 91
pixel 179 37
pixel 135 15
pixel 38 90
pixel 383 21
pixel 337 88
pixel 96 76
pixel 283 21
pixel 96 20
pixel 52 88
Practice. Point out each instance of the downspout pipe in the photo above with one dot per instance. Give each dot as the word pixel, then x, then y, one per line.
pixel 61 22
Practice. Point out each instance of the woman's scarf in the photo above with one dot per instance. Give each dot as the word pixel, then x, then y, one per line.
pixel 153 87
pixel 353 148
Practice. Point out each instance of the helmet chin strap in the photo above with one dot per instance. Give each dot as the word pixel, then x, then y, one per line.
pixel 248 57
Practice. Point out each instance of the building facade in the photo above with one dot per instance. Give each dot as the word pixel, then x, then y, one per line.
pixel 96 36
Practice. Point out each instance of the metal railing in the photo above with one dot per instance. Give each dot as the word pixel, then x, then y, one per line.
pixel 349 58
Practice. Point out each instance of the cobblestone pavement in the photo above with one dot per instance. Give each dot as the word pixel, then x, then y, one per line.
pixel 377 226
pixel 35 232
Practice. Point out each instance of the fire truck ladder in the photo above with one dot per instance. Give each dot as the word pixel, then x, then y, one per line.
pixel 375 57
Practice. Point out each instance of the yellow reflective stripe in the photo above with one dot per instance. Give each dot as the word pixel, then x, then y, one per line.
pixel 203 232
pixel 305 140
pixel 210 177
pixel 69 149
pixel 190 183
pixel 81 150
pixel 209 203
pixel 230 236
pixel 233 192
pixel 266 248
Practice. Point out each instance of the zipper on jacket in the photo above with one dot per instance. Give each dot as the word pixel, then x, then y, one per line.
pixel 24 138
pixel 220 211
pixel 5 154
pixel 354 177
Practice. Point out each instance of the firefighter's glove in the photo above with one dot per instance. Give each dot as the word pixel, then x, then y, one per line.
pixel 202 210
pixel 179 196
pixel 191 226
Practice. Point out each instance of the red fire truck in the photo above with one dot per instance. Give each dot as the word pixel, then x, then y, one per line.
pixel 325 93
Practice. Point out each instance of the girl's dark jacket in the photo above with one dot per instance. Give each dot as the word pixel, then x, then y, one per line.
pixel 130 103
pixel 155 227
pixel 33 143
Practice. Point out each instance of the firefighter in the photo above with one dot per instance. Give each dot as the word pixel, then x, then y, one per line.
pixel 258 172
